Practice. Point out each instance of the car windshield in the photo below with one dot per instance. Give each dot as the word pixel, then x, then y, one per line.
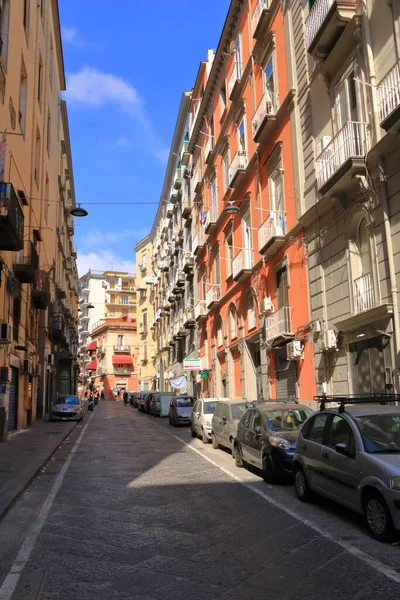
pixel 238 410
pixel 66 400
pixel 184 402
pixel 287 419
pixel 209 407
pixel 380 433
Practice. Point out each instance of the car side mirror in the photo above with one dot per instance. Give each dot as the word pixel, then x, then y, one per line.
pixel 342 449
pixel 258 432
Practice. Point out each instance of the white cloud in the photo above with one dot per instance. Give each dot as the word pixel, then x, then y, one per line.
pixel 96 237
pixel 103 260
pixel 70 35
pixel 93 88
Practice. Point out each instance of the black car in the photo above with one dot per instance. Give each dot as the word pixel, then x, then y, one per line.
pixel 141 400
pixel 147 402
pixel 266 437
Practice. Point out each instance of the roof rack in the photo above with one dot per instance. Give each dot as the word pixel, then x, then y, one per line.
pixel 356 399
pixel 252 403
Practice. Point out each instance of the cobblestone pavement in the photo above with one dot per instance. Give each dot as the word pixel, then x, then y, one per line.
pixel 138 510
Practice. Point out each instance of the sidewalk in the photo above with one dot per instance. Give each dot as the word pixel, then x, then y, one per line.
pixel 24 454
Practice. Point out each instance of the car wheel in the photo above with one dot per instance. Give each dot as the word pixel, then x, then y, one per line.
pixel 204 436
pixel 215 445
pixel 193 433
pixel 378 517
pixel 301 486
pixel 239 462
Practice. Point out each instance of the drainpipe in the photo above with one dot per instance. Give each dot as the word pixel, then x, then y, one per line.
pixel 371 72
pixel 392 272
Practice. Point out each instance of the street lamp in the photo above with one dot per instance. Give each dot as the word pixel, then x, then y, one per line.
pixel 230 208
pixel 78 211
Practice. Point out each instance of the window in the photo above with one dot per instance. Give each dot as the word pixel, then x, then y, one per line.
pixel 232 323
pixel 269 82
pixel 37 158
pixel 316 428
pixel 25 16
pixel 43 10
pixel 120 341
pixel 144 316
pixel 362 243
pixel 282 287
pixel 276 190
pixel 214 201
pixel 225 169
pixel 51 65
pixel 217 272
pixel 144 260
pixel 220 334
pixel 16 318
pixel 238 58
pixel 23 89
pixel 46 198
pixel 247 417
pixel 346 102
pixel 4 31
pixel 247 242
pixel 48 139
pixel 124 299
pixel 40 82
pixel 229 253
pixel 339 432
pixel 251 313
pixel 241 137
pixel 256 420
pixel 222 99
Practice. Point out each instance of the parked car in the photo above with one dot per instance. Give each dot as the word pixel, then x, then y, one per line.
pixel 225 423
pixel 351 455
pixel 200 420
pixel 180 410
pixel 266 437
pixel 142 399
pixel 160 402
pixel 148 400
pixel 67 407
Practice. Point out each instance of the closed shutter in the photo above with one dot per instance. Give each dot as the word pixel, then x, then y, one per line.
pixel 13 400
pixel 286 382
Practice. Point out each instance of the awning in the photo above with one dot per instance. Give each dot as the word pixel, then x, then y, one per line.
pixel 92 346
pixel 91 366
pixel 122 359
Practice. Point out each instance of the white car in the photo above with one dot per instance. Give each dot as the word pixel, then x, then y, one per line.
pixel 202 414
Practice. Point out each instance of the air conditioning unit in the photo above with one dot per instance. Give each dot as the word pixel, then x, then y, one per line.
pixel 322 144
pixel 26 366
pixel 330 340
pixel 266 305
pixel 4 375
pixel 5 333
pixel 294 350
pixel 50 360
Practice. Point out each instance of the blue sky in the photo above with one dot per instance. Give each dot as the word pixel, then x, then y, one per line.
pixel 126 70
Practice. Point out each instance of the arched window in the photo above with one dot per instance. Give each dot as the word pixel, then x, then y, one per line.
pixel 251 311
pixel 220 333
pixel 232 323
pixel 364 297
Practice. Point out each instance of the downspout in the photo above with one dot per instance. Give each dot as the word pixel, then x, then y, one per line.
pixel 392 271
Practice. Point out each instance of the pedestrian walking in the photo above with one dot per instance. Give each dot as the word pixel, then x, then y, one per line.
pixel 102 395
pixel 125 397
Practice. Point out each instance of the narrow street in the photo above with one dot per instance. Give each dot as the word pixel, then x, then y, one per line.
pixel 131 508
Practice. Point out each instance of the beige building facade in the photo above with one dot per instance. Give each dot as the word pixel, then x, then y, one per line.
pixel 345 67
pixel 38 301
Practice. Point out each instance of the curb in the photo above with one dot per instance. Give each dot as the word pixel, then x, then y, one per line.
pixel 36 473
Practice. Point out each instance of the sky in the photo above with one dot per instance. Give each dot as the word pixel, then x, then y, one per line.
pixel 126 70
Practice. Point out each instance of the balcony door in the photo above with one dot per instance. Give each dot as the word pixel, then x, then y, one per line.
pixel 277 202
pixel 364 297
pixel 242 138
pixel 346 102
pixel 282 287
pixel 247 242
pixel 270 88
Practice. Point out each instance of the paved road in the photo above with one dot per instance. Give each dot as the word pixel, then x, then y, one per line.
pixel 132 508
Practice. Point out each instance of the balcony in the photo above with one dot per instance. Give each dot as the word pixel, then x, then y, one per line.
pixel 325 24
pixel 11 219
pixel 27 264
pixel 237 168
pixel 363 291
pixel 180 278
pixel 189 319
pixel 185 156
pixel 197 181
pixel 199 243
pixel 234 80
pixel 264 117
pixel 211 220
pixel 259 19
pixel 271 234
pixel 187 206
pixel 188 262
pixel 41 291
pixel 200 311
pixel 277 326
pixel 213 296
pixel 389 98
pixel 209 150
pixel 242 265
pixel 121 349
pixel 343 158
pixel 57 327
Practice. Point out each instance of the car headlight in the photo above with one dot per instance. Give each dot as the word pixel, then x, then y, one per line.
pixel 279 442
pixel 395 483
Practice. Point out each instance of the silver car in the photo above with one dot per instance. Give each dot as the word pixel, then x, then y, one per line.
pixel 225 422
pixel 352 456
pixel 180 410
pixel 67 408
pixel 200 421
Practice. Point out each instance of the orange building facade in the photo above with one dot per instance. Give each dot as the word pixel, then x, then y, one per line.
pixel 251 290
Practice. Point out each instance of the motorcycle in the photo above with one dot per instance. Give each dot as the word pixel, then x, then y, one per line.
pixel 90 404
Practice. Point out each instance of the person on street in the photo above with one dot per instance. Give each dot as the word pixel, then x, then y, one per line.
pixel 125 397
pixel 102 395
